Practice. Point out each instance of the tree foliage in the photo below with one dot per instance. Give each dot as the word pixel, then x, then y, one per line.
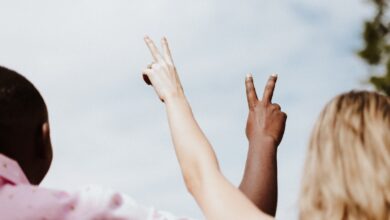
pixel 376 51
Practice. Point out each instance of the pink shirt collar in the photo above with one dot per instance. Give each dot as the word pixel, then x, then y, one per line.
pixel 10 172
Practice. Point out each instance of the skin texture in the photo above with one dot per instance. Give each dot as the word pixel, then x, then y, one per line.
pixel 215 195
pixel 264 130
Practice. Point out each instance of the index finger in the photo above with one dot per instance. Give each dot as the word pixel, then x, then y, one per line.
pixel 269 88
pixel 153 49
pixel 250 91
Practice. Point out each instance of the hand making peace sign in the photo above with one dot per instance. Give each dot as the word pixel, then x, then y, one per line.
pixel 161 73
pixel 265 119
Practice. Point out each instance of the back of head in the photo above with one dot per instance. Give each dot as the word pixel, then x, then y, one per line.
pixel 22 115
pixel 347 169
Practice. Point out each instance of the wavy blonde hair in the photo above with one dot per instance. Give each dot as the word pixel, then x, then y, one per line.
pixel 347 168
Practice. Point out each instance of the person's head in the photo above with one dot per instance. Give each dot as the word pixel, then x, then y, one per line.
pixel 347 169
pixel 24 127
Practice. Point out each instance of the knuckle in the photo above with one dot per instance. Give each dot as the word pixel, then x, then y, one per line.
pixel 157 66
pixel 164 64
pixel 254 106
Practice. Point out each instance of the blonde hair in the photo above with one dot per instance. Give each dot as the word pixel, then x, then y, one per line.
pixel 347 168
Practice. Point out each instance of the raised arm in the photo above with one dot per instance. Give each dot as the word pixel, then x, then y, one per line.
pixel 264 130
pixel 217 198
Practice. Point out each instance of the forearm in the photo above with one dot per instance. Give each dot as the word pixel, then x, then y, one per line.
pixel 195 154
pixel 216 196
pixel 259 183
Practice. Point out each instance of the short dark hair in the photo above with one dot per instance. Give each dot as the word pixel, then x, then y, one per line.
pixel 22 109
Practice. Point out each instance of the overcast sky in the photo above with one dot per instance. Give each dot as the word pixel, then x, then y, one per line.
pixel 109 129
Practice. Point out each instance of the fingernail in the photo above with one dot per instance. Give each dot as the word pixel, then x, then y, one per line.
pixel 274 75
pixel 249 75
pixel 146 37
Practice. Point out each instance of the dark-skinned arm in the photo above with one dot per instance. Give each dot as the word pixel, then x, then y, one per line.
pixel 265 129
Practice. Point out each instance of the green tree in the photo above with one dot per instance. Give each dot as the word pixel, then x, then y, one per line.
pixel 376 51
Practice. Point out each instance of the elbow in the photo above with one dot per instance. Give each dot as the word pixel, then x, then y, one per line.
pixel 198 172
pixel 197 178
pixel 190 186
pixel 193 181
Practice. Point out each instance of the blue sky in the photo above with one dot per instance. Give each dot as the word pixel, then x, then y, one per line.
pixel 109 129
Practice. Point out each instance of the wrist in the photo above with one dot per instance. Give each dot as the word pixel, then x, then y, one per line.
pixel 263 142
pixel 176 102
pixel 262 150
pixel 175 97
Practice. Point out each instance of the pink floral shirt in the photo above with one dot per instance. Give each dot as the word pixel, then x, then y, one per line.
pixel 19 200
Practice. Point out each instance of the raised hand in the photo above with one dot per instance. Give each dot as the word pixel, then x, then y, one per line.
pixel 265 120
pixel 161 73
pixel 216 196
pixel 265 128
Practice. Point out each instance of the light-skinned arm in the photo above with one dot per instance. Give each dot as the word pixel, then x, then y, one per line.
pixel 215 195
